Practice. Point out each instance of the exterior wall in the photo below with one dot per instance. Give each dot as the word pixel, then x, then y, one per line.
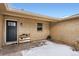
pixel 66 31
pixel 1 30
pixel 29 26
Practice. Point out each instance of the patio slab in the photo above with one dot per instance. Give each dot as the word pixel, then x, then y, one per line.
pixel 14 49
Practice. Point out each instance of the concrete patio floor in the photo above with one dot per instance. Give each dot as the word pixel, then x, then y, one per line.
pixel 47 49
pixel 14 49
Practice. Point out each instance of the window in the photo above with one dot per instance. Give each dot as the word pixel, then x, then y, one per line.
pixel 11 24
pixel 39 26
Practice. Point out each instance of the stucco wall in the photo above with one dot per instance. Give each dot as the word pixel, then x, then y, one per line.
pixel 1 30
pixel 30 26
pixel 66 31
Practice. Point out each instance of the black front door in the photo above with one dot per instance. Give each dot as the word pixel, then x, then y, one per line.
pixel 11 31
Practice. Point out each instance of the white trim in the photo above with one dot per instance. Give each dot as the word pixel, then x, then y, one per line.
pixel 7 43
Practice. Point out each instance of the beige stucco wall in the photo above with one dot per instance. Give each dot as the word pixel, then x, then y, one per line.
pixel 66 31
pixel 30 27
pixel 1 30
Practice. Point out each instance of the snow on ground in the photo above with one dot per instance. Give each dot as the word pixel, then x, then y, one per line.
pixel 51 49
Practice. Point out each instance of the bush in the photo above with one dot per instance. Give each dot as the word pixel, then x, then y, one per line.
pixel 76 46
pixel 49 37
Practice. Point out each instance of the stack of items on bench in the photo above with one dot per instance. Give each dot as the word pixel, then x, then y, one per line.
pixel 24 38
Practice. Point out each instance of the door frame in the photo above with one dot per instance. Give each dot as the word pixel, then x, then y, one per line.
pixel 7 43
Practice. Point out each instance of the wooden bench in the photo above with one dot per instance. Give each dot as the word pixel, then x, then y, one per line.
pixel 24 38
